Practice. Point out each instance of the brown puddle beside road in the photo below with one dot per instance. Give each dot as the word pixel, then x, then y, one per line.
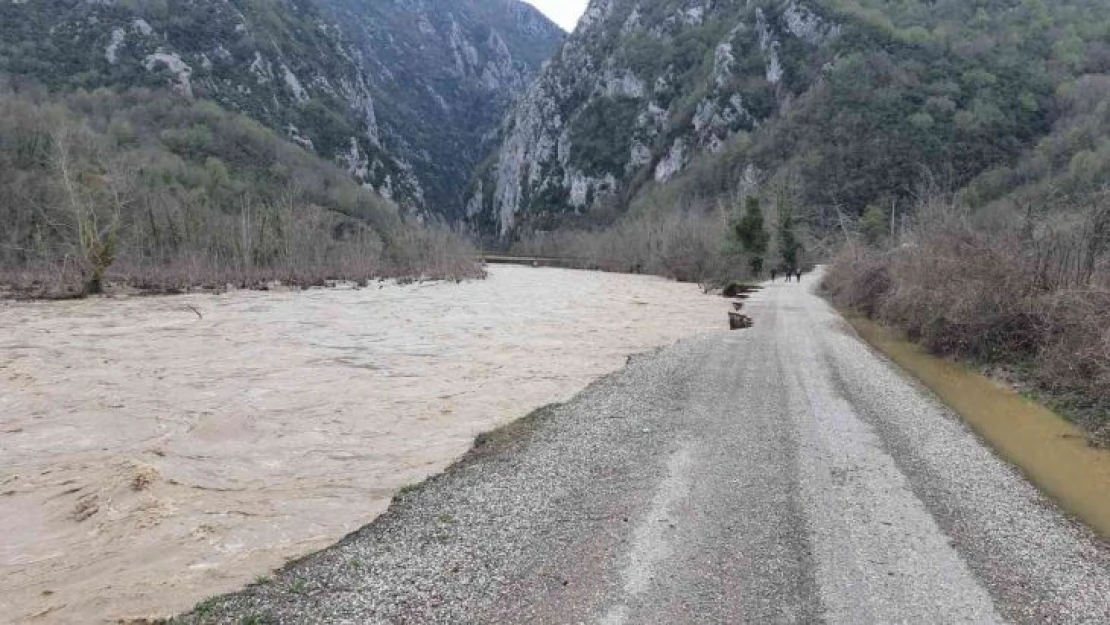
pixel 1053 453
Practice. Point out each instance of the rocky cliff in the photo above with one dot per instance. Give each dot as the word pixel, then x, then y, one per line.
pixel 444 74
pixel 402 93
pixel 640 89
pixel 849 103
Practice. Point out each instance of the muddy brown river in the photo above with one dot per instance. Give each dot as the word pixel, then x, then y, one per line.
pixel 156 451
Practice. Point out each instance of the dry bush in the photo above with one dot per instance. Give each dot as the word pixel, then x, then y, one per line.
pixel 434 252
pixel 686 245
pixel 1016 297
pixel 307 255
pixel 1075 360
pixel 859 281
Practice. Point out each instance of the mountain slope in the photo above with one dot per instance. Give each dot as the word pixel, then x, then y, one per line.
pixel 342 78
pixel 444 74
pixel 853 102
pixel 145 189
pixel 280 63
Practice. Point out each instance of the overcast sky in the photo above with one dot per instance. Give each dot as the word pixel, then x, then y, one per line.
pixel 565 13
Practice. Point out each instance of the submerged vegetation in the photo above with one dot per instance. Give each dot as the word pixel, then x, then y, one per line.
pixel 147 189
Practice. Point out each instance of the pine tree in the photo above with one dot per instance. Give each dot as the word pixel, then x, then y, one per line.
pixel 789 246
pixel 874 225
pixel 751 234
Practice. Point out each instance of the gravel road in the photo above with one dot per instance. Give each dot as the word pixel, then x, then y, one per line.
pixel 784 473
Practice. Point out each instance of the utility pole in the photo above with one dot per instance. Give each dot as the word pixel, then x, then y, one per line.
pixel 844 229
pixel 893 210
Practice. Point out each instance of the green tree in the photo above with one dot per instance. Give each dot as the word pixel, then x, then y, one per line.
pixel 873 225
pixel 789 246
pixel 218 175
pixel 751 234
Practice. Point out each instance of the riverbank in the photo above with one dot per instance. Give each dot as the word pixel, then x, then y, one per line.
pixel 41 285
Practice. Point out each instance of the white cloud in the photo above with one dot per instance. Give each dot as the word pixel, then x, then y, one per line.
pixel 565 13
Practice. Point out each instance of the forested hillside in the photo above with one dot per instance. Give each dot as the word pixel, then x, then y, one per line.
pixel 402 95
pixel 1013 271
pixel 175 143
pixel 144 188
pixel 282 63
pixel 852 102
pixel 952 157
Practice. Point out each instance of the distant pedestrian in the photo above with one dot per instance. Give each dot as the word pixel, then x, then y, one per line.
pixel 799 275
pixel 774 274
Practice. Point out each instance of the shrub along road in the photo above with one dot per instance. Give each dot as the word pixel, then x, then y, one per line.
pixel 779 474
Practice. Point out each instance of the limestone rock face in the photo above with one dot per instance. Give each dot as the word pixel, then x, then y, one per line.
pixel 444 74
pixel 637 93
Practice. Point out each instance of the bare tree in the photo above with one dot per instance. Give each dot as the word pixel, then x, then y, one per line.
pixel 95 196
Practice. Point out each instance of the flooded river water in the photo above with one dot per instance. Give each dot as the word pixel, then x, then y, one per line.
pixel 159 450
